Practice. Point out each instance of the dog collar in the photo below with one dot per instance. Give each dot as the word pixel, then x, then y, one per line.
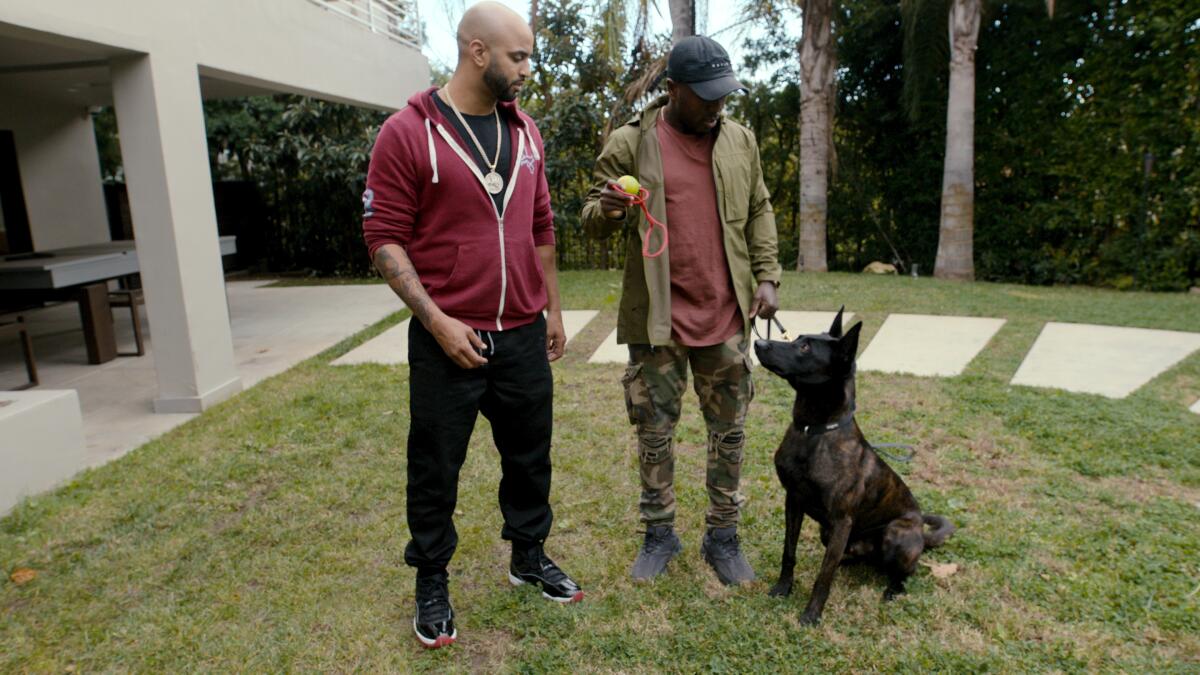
pixel 818 429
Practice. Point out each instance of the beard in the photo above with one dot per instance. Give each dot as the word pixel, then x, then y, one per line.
pixel 500 87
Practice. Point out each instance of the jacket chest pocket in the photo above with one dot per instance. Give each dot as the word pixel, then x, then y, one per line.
pixel 733 170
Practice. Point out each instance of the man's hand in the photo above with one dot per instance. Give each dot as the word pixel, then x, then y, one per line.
pixel 459 341
pixel 766 301
pixel 613 202
pixel 556 336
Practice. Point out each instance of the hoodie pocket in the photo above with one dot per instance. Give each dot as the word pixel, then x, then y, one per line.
pixel 474 282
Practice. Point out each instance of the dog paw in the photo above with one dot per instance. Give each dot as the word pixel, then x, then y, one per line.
pixel 810 619
pixel 781 589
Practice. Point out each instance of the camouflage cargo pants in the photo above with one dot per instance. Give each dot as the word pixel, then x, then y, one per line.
pixel 654 384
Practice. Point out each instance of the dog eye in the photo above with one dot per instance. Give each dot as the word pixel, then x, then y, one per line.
pixel 804 347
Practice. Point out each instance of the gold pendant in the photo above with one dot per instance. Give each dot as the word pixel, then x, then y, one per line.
pixel 493 182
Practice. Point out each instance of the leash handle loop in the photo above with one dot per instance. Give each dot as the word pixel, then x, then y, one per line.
pixel 773 320
pixel 655 224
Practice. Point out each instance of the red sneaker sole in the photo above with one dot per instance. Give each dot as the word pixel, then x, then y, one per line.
pixel 441 641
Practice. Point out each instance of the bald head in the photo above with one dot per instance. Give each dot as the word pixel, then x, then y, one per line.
pixel 490 23
pixel 494 46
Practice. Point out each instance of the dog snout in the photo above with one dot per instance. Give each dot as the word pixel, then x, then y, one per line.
pixel 761 346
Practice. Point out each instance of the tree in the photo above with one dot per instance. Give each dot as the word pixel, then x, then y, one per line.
pixel 818 65
pixel 309 160
pixel 683 19
pixel 955 255
pixel 956 228
pixel 576 67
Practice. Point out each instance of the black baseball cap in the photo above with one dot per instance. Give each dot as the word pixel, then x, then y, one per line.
pixel 702 64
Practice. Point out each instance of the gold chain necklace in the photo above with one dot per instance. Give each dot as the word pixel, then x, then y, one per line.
pixel 492 181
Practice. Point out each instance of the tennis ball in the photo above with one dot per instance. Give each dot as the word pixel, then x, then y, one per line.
pixel 629 184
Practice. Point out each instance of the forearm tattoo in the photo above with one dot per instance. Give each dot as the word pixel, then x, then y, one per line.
pixel 402 278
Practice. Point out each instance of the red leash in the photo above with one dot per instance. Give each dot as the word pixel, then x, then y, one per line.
pixel 640 200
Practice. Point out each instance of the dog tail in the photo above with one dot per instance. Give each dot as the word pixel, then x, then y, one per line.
pixel 942 529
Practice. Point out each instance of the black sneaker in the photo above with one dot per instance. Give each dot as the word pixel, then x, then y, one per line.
pixel 533 566
pixel 434 621
pixel 723 552
pixel 659 548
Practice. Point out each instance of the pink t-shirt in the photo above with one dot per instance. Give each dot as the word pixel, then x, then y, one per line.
pixel 704 309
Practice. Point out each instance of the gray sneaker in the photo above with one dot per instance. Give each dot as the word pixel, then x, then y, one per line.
pixel 722 551
pixel 659 547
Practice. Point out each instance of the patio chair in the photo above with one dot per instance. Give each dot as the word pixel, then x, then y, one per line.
pixel 18 327
pixel 131 298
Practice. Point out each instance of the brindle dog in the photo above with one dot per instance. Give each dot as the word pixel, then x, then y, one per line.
pixel 831 473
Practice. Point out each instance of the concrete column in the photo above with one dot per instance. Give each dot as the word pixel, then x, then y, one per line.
pixel 165 153
pixel 60 169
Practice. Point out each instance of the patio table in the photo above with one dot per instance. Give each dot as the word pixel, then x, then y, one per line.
pixel 79 273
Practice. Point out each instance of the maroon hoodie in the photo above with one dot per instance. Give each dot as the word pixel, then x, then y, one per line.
pixel 425 193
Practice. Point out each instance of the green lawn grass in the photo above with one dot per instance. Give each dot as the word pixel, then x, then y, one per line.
pixel 267 534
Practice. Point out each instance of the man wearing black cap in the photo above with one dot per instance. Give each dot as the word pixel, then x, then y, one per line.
pixel 694 303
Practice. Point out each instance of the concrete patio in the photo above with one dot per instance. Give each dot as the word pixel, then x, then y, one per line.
pixel 273 329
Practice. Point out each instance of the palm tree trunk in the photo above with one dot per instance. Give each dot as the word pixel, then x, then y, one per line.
pixel 955 255
pixel 683 19
pixel 818 61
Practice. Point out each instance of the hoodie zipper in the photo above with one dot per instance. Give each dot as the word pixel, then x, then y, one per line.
pixel 499 215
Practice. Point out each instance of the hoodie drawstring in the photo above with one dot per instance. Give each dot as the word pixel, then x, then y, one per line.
pixel 529 141
pixel 432 150
pixel 492 343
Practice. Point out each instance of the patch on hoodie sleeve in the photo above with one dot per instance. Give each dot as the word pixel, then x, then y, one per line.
pixel 368 198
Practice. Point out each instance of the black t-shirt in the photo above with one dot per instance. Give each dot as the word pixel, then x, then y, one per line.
pixel 484 127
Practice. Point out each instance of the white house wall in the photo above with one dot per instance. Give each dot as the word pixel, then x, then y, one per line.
pixel 292 44
pixel 155 52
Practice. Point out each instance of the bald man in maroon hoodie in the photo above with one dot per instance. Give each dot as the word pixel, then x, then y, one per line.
pixel 457 219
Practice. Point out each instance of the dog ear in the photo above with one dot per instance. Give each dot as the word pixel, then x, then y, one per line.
pixel 848 343
pixel 836 329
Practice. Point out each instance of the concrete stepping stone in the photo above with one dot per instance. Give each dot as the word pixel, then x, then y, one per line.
pixel 1112 361
pixel 391 346
pixel 609 351
pixel 796 323
pixel 928 345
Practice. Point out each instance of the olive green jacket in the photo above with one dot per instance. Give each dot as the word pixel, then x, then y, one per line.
pixel 747 221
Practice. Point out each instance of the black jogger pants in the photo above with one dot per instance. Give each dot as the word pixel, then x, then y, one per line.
pixel 514 391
